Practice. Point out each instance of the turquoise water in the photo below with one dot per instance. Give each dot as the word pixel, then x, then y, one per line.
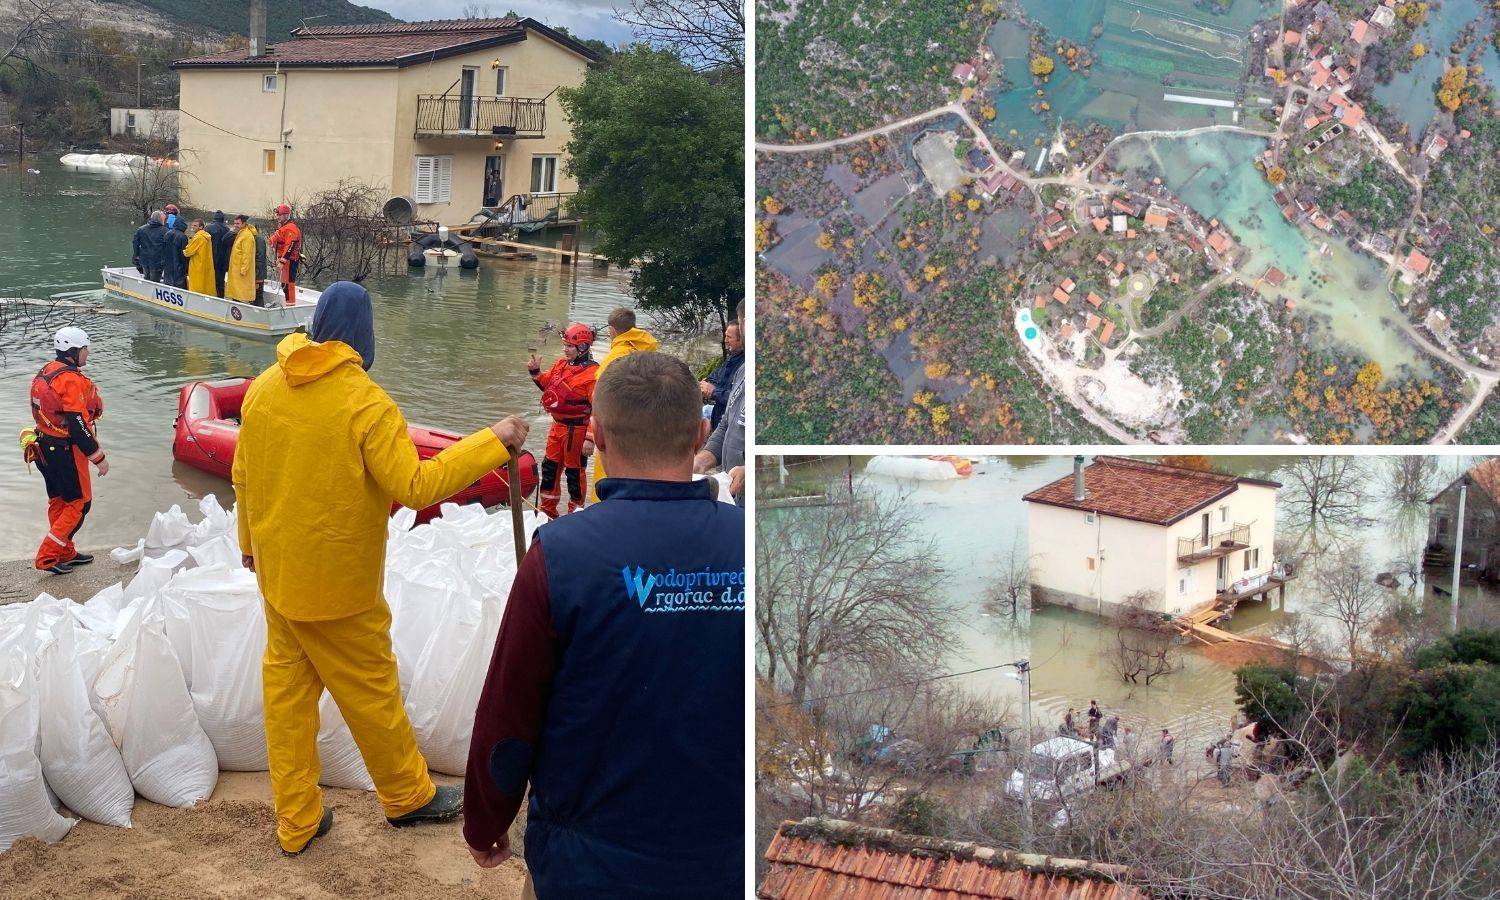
pixel 1137 54
pixel 1413 95
pixel 1214 173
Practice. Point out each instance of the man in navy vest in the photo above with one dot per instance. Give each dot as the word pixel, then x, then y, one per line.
pixel 616 690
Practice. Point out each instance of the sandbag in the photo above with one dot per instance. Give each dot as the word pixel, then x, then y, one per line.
pixel 448 678
pixel 226 631
pixel 25 807
pixel 338 755
pixel 150 716
pixel 80 762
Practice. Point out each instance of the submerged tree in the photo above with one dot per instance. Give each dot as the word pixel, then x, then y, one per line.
pixel 153 180
pixel 659 154
pixel 1324 492
pixel 1411 479
pixel 1010 590
pixel 1348 596
pixel 849 583
pixel 1144 646
pixel 342 232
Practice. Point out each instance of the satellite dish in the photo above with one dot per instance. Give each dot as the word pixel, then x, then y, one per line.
pixel 400 210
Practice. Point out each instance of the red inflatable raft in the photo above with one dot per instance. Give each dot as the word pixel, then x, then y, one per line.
pixel 208 427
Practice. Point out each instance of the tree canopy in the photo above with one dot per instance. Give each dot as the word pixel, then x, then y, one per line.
pixel 659 154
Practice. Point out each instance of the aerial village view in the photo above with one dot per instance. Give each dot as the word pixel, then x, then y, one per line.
pixel 1112 221
pixel 356 351
pixel 1186 676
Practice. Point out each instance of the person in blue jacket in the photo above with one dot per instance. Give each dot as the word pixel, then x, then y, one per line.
pixel 145 247
pixel 720 381
pixel 173 264
pixel 616 690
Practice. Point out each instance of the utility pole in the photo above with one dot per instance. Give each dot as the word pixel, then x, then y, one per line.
pixel 138 84
pixel 1024 667
pixel 1458 550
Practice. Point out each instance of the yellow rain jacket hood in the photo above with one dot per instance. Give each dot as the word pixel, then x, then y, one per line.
pixel 323 451
pixel 200 257
pixel 636 340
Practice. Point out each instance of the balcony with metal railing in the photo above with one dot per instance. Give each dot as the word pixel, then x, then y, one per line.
pixel 1222 543
pixel 447 115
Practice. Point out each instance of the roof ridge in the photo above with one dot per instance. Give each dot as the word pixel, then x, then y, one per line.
pixel 425 26
pixel 1165 468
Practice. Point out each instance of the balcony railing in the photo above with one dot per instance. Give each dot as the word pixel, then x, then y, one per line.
pixel 450 116
pixel 1223 543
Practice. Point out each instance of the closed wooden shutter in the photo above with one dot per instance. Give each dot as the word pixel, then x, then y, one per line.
pixel 422 184
pixel 433 180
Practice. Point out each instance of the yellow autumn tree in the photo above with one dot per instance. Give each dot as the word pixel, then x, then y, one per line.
pixel 1450 89
pixel 938 370
pixel 1041 66
pixel 772 205
pixel 1418 50
pixel 973 204
pixel 1276 175
pixel 825 240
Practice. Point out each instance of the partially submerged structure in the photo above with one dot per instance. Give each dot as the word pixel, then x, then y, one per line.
pixel 1126 531
pixel 457 114
pixel 832 858
pixel 1481 518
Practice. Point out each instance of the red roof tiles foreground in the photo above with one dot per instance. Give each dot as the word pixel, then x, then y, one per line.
pixel 831 860
pixel 1143 491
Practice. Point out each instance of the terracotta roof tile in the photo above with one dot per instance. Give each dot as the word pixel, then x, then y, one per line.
pixel 1139 490
pixel 820 860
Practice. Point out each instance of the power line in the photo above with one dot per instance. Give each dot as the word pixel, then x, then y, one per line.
pixel 888 687
pixel 226 130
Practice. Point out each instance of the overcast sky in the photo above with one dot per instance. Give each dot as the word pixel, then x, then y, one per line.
pixel 585 18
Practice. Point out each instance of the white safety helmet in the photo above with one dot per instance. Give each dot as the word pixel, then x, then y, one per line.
pixel 70 338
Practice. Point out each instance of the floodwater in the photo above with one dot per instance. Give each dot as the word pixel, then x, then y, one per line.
pixel 1413 95
pixel 451 350
pixel 973 524
pixel 1215 174
pixel 1140 49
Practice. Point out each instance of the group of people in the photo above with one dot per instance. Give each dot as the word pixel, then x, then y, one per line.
pixel 220 258
pixel 1108 732
pixel 615 704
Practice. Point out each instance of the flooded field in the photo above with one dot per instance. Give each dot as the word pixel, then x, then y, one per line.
pixel 452 350
pixel 973 524
pixel 1144 51
pixel 1413 94
pixel 1214 174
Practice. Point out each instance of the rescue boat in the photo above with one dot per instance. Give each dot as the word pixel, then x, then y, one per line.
pixel 208 428
pixel 127 285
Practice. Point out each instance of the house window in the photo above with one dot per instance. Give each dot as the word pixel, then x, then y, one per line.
pixel 270 83
pixel 433 182
pixel 544 174
pixel 1185 580
pixel 1252 559
pixel 268 162
pixel 1091 564
pixel 130 121
pixel 1089 518
pixel 500 81
pixel 1223 514
pixel 1442 526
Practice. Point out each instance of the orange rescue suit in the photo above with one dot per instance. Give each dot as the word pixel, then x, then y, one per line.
pixel 286 246
pixel 568 396
pixel 65 405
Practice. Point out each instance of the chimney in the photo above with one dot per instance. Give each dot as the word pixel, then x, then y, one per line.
pixel 257 27
pixel 1079 494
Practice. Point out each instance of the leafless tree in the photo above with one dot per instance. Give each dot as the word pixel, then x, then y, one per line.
pixel 155 179
pixel 29 30
pixel 1411 479
pixel 1144 646
pixel 477 11
pixel 343 234
pixel 847 582
pixel 1324 491
pixel 1010 590
pixel 1348 595
pixel 708 35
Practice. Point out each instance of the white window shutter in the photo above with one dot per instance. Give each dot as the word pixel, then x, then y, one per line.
pixel 422 183
pixel 443 186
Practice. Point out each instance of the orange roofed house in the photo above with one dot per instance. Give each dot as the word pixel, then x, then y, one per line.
pixel 1178 539
pixel 826 858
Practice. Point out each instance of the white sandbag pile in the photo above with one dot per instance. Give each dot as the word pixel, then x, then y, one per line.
pixel 154 687
pixel 909 468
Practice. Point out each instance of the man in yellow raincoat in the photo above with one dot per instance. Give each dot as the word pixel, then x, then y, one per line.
pixel 625 339
pixel 322 453
pixel 239 282
pixel 200 257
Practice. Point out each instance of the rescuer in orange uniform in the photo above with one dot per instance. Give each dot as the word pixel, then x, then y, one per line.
pixel 286 244
pixel 65 405
pixel 568 394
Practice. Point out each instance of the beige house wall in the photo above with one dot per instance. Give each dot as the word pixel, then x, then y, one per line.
pixel 339 125
pixel 1130 556
pixel 360 122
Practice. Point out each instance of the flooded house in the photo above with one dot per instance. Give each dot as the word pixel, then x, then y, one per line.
pixel 1178 539
pixel 1481 517
pixel 456 114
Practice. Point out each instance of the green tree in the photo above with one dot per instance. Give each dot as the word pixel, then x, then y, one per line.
pixel 658 151
pixel 1452 708
pixel 1268 695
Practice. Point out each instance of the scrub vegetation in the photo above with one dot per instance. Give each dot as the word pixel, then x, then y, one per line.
pixel 1377 197
pixel 1461 190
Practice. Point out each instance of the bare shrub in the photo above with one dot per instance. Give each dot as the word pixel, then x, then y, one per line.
pixel 344 237
pixel 1145 645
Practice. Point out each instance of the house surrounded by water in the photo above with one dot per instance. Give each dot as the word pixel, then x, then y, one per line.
pixel 458 115
pixel 1182 539
pixel 1480 486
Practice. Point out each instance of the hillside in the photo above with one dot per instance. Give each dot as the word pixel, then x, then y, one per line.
pixel 233 16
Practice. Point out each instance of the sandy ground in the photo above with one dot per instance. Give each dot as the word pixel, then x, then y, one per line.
pixel 226 847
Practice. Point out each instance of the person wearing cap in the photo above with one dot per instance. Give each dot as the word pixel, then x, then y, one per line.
pixel 240 282
pixel 65 405
pixel 286 243
pixel 223 242
pixel 323 453
pixel 145 247
pixel 172 215
pixel 568 396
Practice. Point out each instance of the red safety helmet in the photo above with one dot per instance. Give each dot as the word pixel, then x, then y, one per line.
pixel 172 207
pixel 283 210
pixel 579 335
